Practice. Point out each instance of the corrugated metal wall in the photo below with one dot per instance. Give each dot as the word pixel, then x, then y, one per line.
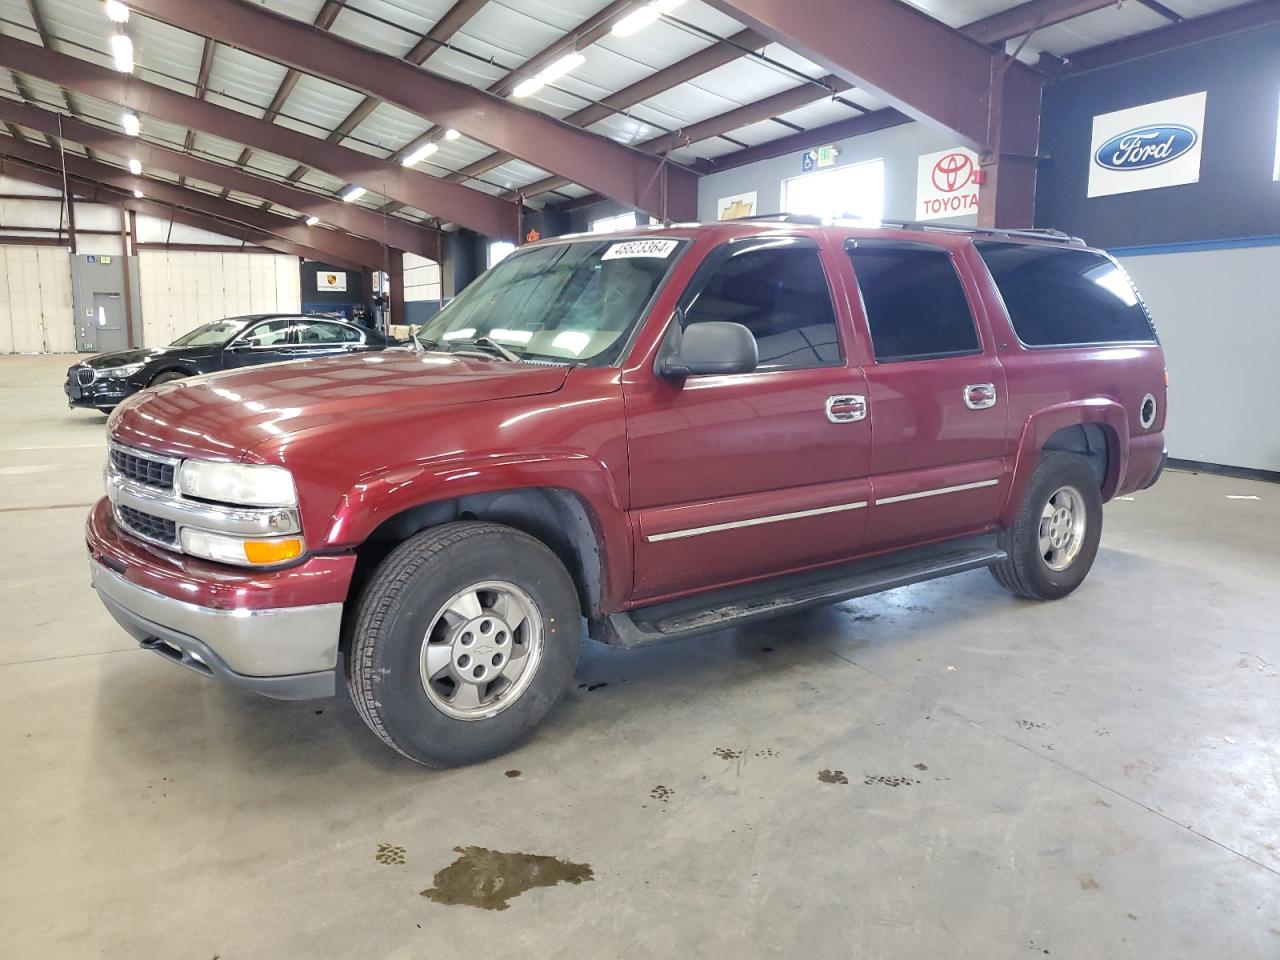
pixel 35 301
pixel 179 291
pixel 182 290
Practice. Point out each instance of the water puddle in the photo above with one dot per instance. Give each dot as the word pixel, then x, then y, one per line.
pixel 489 878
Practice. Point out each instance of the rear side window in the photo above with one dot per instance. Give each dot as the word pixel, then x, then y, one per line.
pixel 1062 297
pixel 914 301
pixel 779 292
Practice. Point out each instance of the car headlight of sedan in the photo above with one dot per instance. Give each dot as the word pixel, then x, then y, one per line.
pixel 119 373
pixel 242 484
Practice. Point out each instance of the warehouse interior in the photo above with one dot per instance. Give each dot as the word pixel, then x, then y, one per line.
pixel 936 770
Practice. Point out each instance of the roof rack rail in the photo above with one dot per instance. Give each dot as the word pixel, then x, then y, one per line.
pixel 785 218
pixel 1030 233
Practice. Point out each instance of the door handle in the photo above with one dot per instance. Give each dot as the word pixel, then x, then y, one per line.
pixel 846 408
pixel 980 396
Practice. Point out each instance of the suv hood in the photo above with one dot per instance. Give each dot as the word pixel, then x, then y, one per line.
pixel 223 415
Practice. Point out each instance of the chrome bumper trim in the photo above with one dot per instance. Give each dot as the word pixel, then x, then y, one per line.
pixel 254 644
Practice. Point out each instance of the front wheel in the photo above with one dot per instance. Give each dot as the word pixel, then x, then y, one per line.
pixel 465 638
pixel 1053 540
pixel 167 377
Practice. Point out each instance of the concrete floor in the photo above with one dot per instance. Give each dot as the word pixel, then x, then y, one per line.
pixel 1091 778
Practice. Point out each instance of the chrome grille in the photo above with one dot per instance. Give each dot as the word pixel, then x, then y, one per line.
pixel 85 376
pixel 146 526
pixel 142 469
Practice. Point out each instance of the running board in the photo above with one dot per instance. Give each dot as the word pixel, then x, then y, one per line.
pixel 677 619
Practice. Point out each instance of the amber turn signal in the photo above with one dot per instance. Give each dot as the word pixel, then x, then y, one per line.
pixel 272 551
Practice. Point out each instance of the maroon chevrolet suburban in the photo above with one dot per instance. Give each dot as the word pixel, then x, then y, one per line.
pixel 659 434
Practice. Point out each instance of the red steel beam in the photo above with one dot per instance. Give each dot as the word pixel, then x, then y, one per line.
pixel 92 192
pixel 922 67
pixel 930 72
pixel 1249 16
pixel 330 242
pixel 478 211
pixel 349 217
pixel 626 175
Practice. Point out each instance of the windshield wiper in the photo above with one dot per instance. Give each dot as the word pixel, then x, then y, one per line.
pixel 490 344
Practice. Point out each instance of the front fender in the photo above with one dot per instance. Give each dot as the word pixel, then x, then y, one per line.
pixel 1043 424
pixel 378 498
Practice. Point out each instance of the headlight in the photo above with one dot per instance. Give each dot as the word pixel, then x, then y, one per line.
pixel 241 551
pixel 247 484
pixel 119 373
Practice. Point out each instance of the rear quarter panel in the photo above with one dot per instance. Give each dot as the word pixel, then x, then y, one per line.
pixel 1050 388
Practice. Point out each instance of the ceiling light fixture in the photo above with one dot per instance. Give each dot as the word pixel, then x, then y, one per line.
pixel 312 221
pixel 553 71
pixel 130 122
pixel 424 151
pixel 122 52
pixel 117 12
pixel 634 22
pixel 451 134
pixel 353 193
pixel 138 194
pixel 135 167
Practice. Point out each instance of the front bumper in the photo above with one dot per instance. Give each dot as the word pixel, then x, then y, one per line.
pixel 256 630
pixel 102 394
pixel 211 641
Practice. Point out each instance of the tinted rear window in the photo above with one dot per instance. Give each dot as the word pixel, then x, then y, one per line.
pixel 1061 296
pixel 915 304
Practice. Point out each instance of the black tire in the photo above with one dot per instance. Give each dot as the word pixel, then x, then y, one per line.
pixel 1025 572
pixel 401 602
pixel 167 376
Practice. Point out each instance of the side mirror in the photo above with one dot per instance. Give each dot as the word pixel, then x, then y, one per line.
pixel 711 347
pixel 237 346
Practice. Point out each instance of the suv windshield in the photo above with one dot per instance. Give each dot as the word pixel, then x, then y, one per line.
pixel 570 301
pixel 210 334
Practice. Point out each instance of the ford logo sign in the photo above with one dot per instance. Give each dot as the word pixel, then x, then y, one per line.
pixel 1145 147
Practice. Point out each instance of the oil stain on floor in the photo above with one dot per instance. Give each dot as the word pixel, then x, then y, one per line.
pixel 489 878
pixel 832 776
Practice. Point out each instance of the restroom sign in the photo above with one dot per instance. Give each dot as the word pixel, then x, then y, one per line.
pixel 947 184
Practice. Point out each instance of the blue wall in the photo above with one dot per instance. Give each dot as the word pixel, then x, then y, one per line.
pixel 1236 196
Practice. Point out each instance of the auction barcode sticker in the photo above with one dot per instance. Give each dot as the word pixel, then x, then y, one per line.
pixel 641 248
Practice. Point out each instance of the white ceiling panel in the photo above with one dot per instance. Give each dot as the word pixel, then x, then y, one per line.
pixel 306 10
pixel 757 133
pixel 1101 26
pixel 321 103
pixel 246 77
pixel 656 46
pixel 818 114
pixel 390 126
pixel 626 129
pixel 465 69
pixel 514 173
pixel 165 49
pixel 414 19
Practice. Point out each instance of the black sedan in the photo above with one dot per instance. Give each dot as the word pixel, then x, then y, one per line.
pixel 103 381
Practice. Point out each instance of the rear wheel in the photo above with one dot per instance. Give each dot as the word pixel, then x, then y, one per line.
pixel 1053 540
pixel 465 638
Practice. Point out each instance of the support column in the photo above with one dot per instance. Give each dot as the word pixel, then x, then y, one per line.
pixel 126 276
pixel 396 312
pixel 71 222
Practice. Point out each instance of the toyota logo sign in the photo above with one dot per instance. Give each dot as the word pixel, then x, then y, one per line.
pixel 953 171
pixel 947 184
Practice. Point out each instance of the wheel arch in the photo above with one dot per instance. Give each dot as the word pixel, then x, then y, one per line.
pixel 558 517
pixel 1095 429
